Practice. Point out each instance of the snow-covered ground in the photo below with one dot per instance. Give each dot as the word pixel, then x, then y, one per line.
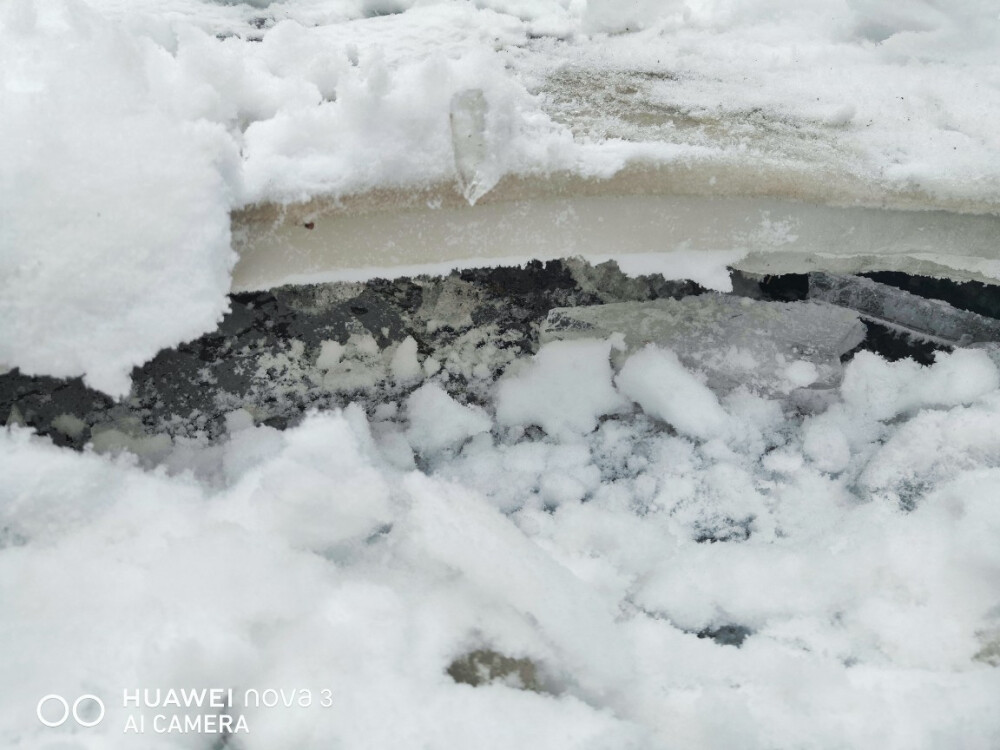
pixel 679 566
pixel 724 538
pixel 131 128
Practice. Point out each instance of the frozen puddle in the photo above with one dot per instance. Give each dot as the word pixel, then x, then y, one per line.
pixel 677 235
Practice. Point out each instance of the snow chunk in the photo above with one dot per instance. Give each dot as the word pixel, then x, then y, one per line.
pixel 801 374
pixel 564 389
pixel 320 486
pixel 330 354
pixel 437 421
pixel 114 230
pixel 933 447
pixel 404 365
pixel 656 380
pixel 883 390
pixel 826 445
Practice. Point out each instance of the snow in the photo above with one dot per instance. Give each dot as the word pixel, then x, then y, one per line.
pixel 657 381
pixel 115 197
pixel 854 548
pixel 604 507
pixel 404 364
pixel 564 389
pixel 112 212
pixel 883 390
pixel 437 421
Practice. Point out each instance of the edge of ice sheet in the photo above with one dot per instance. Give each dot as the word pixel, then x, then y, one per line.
pixel 651 217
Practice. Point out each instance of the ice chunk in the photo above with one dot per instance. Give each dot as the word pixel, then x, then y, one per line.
pixel 476 173
pixel 70 425
pixel 929 317
pixel 768 346
pixel 564 389
pixel 656 380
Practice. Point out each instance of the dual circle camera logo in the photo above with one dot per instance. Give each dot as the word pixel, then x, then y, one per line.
pixel 83 719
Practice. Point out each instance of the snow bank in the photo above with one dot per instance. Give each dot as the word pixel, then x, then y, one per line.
pixel 115 196
pixel 114 215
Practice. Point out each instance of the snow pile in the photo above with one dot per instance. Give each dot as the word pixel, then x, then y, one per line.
pixel 385 121
pixel 898 95
pixel 884 390
pixel 712 568
pixel 114 214
pixel 126 144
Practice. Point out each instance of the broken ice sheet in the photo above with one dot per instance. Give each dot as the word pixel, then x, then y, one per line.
pixel 770 347
pixel 928 318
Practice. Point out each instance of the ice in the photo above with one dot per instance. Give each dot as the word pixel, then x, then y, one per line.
pixel 476 174
pixel 767 346
pixel 899 308
pixel 713 569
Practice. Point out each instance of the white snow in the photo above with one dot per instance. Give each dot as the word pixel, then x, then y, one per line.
pixel 883 390
pixel 856 545
pixel 330 354
pixel 307 559
pixel 404 365
pixel 563 390
pixel 437 421
pixel 114 225
pixel 656 380
pixel 115 196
